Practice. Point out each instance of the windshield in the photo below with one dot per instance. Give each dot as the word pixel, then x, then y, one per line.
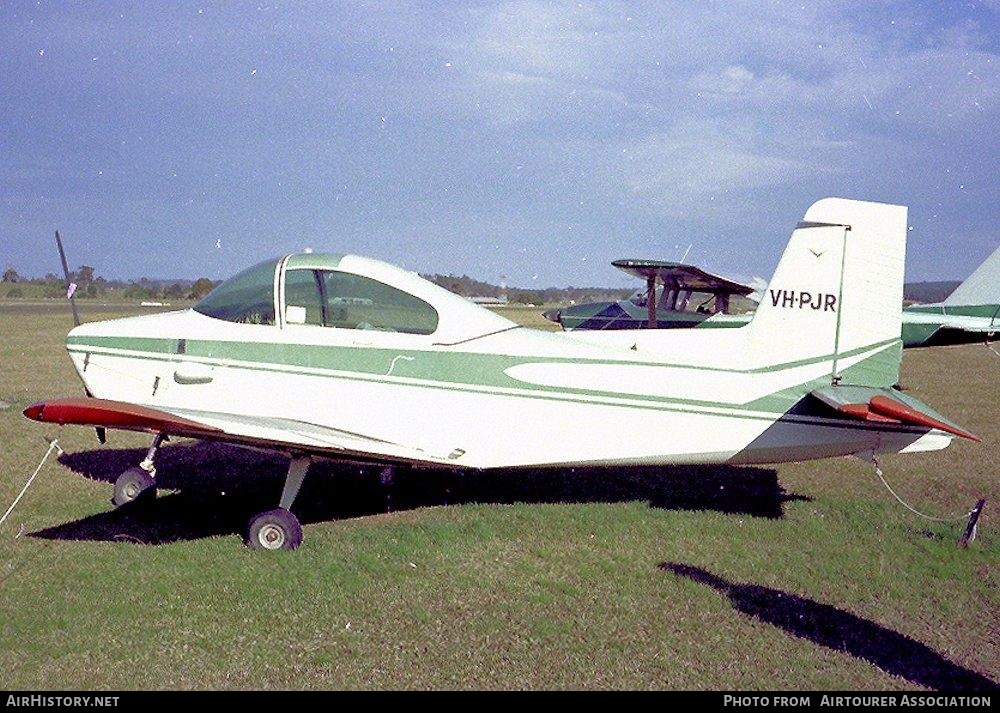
pixel 247 298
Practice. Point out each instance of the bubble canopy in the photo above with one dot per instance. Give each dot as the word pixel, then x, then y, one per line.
pixel 343 292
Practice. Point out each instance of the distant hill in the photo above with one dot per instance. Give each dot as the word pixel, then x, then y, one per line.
pixel 929 291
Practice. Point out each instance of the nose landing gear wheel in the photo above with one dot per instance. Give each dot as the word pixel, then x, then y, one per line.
pixel 276 529
pixel 132 485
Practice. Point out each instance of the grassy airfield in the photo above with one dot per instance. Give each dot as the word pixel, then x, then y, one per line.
pixel 799 576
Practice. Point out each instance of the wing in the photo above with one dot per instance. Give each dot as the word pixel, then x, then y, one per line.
pixel 931 328
pixel 685 277
pixel 269 432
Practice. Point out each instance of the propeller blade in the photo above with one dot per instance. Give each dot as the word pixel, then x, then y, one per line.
pixel 70 287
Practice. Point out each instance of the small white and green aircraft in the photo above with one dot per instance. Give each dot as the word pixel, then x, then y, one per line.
pixel 343 357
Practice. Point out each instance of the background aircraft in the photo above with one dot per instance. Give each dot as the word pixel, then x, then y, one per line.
pixel 969 314
pixel 329 356
pixel 689 297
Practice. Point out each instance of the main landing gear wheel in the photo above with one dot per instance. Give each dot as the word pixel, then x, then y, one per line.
pixel 132 485
pixel 276 529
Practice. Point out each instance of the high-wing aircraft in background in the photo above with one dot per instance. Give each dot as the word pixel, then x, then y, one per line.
pixel 687 296
pixel 343 357
pixel 690 297
pixel 969 314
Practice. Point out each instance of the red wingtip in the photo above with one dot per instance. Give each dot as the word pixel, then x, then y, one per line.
pixel 115 414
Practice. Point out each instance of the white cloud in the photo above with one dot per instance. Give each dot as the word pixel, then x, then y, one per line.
pixel 507 97
pixel 692 165
pixel 568 40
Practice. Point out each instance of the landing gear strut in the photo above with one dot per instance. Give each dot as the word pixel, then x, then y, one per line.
pixel 279 529
pixel 139 482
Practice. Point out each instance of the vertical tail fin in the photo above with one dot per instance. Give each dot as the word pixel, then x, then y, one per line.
pixel 838 293
pixel 982 287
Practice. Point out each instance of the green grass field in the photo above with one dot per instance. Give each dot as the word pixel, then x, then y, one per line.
pixel 800 576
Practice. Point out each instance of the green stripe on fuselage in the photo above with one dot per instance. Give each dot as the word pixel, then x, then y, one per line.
pixel 462 368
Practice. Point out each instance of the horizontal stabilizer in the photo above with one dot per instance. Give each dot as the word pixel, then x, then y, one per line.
pixel 885 405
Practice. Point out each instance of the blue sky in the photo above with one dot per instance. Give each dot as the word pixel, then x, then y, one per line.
pixel 531 140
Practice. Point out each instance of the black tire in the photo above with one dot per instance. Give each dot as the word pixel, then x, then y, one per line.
pixel 276 529
pixel 132 485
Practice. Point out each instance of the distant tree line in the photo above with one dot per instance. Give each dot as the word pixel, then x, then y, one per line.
pixel 469 287
pixel 89 285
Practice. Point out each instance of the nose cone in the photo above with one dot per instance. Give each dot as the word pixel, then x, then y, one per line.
pixel 553 315
pixel 34 412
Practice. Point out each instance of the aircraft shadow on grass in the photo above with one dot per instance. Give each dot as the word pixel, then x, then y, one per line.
pixel 218 487
pixel 839 630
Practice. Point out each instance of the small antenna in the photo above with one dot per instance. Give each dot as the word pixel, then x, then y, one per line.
pixel 70 287
pixel 684 257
